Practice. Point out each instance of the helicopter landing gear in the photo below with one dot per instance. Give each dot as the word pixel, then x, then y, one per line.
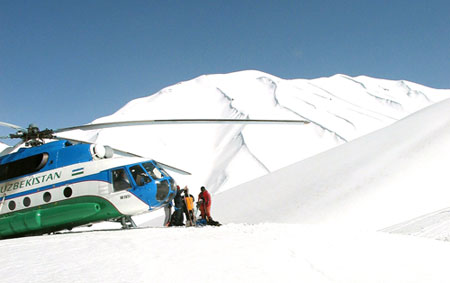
pixel 127 222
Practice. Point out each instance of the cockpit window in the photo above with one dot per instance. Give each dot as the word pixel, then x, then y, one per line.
pixel 139 176
pixel 153 170
pixel 120 180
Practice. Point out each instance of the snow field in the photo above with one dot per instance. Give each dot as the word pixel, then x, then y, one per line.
pixel 231 253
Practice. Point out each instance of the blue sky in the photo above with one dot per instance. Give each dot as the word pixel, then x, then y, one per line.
pixel 64 63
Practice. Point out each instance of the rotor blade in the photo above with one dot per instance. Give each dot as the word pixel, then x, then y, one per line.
pixel 178 121
pixel 11 149
pixel 11 126
pixel 171 168
pixel 168 167
pixel 71 140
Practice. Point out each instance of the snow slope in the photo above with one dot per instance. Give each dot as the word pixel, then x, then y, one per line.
pixel 384 178
pixel 340 108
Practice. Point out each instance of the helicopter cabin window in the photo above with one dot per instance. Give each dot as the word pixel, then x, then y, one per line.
pixel 153 170
pixel 12 205
pixel 23 166
pixel 139 176
pixel 47 197
pixel 120 180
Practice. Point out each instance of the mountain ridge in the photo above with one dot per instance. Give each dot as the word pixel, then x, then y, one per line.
pixel 340 108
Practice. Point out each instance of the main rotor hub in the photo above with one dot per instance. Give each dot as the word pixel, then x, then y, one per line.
pixel 32 136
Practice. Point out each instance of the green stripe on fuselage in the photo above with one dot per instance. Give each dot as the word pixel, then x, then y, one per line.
pixel 57 216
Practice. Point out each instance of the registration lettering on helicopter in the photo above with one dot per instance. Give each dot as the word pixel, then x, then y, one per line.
pixel 39 180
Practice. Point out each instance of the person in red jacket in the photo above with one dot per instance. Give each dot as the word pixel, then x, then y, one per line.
pixel 205 204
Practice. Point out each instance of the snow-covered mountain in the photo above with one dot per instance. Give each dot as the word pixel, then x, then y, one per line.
pixel 340 109
pixel 344 215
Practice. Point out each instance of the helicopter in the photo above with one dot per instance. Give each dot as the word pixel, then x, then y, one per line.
pixel 50 183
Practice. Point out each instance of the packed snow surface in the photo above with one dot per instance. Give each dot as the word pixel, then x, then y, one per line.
pixel 360 209
pixel 231 253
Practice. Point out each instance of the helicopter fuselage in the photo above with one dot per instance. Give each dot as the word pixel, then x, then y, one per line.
pixel 60 185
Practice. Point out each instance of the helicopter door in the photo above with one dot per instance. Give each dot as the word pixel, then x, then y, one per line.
pixel 139 176
pixel 121 181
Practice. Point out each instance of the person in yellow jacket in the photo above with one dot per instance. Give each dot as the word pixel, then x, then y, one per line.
pixel 189 207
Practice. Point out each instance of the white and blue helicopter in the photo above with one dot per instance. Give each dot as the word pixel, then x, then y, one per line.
pixel 50 183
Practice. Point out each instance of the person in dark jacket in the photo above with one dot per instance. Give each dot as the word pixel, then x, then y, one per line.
pixel 177 216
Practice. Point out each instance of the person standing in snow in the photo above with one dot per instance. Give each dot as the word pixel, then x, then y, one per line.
pixel 204 199
pixel 167 213
pixel 189 207
pixel 177 216
pixel 204 203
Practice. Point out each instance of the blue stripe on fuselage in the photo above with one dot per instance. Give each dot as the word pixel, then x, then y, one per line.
pixel 102 177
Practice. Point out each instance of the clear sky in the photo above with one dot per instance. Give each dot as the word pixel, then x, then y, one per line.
pixel 64 63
